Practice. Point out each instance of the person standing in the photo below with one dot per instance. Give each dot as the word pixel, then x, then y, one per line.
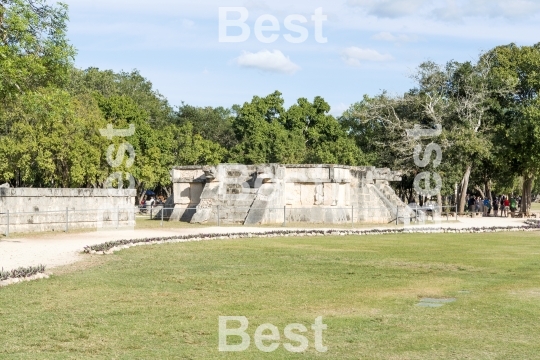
pixel 513 204
pixel 472 203
pixel 495 207
pixel 506 206
pixel 487 207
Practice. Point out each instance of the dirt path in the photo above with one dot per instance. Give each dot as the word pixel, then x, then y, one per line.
pixel 61 249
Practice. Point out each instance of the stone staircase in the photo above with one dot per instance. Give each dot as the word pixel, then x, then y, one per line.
pixel 234 208
pixel 393 202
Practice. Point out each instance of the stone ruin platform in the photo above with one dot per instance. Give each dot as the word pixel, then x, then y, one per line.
pixel 275 193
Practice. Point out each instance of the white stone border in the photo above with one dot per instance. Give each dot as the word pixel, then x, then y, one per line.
pixel 16 280
pixel 114 246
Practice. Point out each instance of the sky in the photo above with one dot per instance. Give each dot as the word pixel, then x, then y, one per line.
pixel 351 48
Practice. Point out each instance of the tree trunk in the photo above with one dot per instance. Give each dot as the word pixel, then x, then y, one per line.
pixel 456 198
pixel 464 186
pixel 141 191
pixel 482 194
pixel 526 197
pixel 487 186
pixel 439 203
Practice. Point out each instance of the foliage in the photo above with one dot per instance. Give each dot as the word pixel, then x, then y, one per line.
pixel 304 133
pixel 132 84
pixel 34 50
pixel 458 97
pixel 52 112
pixel 518 112
pixel 52 140
pixel 214 124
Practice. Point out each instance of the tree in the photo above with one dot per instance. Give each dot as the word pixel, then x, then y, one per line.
pixel 189 148
pixel 326 141
pixel 518 112
pixel 148 168
pixel 52 140
pixel 156 150
pixel 459 96
pixel 305 133
pixel 132 84
pixel 214 124
pixel 261 134
pixel 379 124
pixel 34 51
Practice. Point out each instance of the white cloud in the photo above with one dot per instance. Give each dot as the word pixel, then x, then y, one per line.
pixel 448 10
pixel 354 56
pixel 389 8
pixel 457 10
pixel 272 61
pixel 387 36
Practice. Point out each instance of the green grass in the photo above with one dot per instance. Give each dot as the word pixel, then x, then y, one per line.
pixel 535 206
pixel 163 302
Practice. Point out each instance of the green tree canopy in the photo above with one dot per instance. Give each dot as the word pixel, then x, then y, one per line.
pixel 214 124
pixel 304 133
pixel 518 112
pixel 34 50
pixel 133 85
pixel 53 141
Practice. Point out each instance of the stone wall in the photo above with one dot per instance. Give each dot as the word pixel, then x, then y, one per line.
pixel 34 210
pixel 275 193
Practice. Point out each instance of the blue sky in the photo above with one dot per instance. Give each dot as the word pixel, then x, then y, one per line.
pixel 373 45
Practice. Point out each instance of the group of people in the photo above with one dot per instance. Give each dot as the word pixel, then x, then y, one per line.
pixel 502 203
pixel 149 202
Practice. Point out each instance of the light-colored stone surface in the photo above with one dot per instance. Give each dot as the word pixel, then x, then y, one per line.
pixel 61 249
pixel 254 194
pixel 34 210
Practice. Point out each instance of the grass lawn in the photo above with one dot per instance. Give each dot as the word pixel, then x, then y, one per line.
pixel 535 206
pixel 163 302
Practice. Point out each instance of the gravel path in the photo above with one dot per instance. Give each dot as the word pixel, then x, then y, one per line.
pixel 61 249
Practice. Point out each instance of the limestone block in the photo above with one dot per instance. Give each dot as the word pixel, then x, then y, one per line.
pixel 307 175
pixel 292 193
pixel 319 194
pixel 335 194
pixel 307 194
pixel 317 173
pixel 328 194
pixel 342 175
pixel 182 193
pixel 196 190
